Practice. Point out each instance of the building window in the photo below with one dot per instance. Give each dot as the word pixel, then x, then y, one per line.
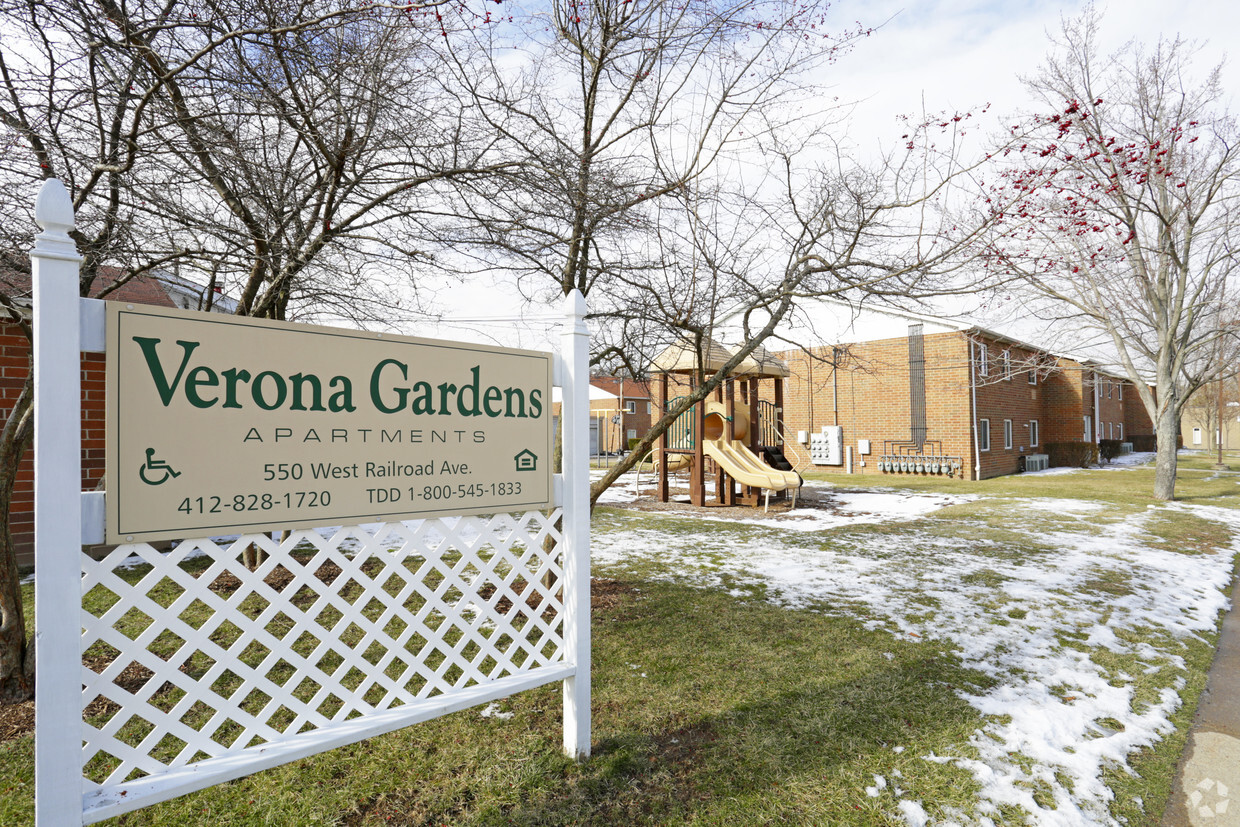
pixel 630 407
pixel 1033 433
pixel 1119 429
pixel 1110 430
pixel 1007 433
pixel 1007 365
pixel 1033 376
pixel 1121 393
pixel 1110 388
pixel 983 435
pixel 632 433
pixel 649 409
pixel 1089 429
pixel 1196 436
pixel 983 360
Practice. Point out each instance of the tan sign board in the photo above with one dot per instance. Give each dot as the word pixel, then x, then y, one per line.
pixel 223 425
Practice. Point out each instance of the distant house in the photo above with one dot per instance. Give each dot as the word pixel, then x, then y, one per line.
pixel 165 290
pixel 630 415
pixel 1200 425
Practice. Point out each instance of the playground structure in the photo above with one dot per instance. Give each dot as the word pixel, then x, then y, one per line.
pixel 738 442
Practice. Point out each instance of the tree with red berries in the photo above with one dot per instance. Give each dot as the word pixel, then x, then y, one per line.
pixel 1118 202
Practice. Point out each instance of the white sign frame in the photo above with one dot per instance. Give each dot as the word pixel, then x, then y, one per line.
pixel 67 518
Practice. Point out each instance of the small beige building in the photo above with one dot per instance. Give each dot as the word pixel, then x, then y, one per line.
pixel 1199 424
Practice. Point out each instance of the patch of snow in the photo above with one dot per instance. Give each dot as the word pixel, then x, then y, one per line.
pixel 880 784
pixel 913 813
pixel 493 711
pixel 1049 698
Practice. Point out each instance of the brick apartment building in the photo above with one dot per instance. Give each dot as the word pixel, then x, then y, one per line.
pixel 894 384
pixel 166 291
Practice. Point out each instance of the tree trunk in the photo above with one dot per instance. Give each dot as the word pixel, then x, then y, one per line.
pixel 1166 431
pixel 16 652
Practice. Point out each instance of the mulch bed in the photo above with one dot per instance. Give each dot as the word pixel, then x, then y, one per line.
pixel 17 719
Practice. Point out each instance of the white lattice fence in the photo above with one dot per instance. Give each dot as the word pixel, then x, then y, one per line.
pixel 164 672
pixel 191 660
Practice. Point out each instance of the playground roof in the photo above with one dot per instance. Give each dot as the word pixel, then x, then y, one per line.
pixel 761 362
pixel 681 357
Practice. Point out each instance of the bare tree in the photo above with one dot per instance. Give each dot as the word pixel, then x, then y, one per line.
pixel 1118 201
pixel 262 143
pixel 805 224
pixel 664 170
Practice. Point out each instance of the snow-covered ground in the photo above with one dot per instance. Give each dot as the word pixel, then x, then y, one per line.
pixel 1057 716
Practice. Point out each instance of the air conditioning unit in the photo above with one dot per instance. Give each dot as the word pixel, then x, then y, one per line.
pixel 1037 462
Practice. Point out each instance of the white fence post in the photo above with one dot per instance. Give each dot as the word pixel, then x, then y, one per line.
pixel 55 265
pixel 575 396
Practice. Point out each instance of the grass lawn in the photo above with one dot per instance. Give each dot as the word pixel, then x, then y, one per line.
pixel 871 673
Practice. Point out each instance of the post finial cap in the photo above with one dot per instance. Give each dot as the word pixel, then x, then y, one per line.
pixel 53 209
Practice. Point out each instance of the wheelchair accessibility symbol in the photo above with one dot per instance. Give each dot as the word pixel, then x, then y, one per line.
pixel 156 471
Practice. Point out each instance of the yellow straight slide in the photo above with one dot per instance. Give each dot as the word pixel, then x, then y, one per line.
pixel 747 468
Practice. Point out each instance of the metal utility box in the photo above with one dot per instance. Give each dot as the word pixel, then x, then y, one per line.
pixel 827 448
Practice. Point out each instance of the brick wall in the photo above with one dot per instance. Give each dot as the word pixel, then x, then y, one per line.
pixel 1018 391
pixel 865 389
pixel 14 368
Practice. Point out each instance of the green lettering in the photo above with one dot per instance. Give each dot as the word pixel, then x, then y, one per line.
pixel 301 380
pixel 446 389
pixel 536 408
pixel 473 388
pixel 231 377
pixel 260 399
pixel 402 394
pixel 153 364
pixel 509 395
pixel 342 400
pixel 493 394
pixel 204 377
pixel 424 402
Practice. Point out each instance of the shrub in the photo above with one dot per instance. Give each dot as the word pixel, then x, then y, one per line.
pixel 633 443
pixel 1143 442
pixel 1108 449
pixel 1073 454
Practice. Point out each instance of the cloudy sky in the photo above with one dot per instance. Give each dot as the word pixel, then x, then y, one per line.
pixel 934 55
pixel 960 54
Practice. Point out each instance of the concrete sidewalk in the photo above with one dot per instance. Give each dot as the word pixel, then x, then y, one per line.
pixel 1207 785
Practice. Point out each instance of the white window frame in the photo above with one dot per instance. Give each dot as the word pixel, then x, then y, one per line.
pixel 1007 434
pixel 1110 388
pixel 983 435
pixel 649 408
pixel 1033 376
pixel 1110 430
pixel 630 407
pixel 1196 436
pixel 1121 391
pixel 1007 365
pixel 1033 433
pixel 983 360
pixel 1119 427
pixel 1089 429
